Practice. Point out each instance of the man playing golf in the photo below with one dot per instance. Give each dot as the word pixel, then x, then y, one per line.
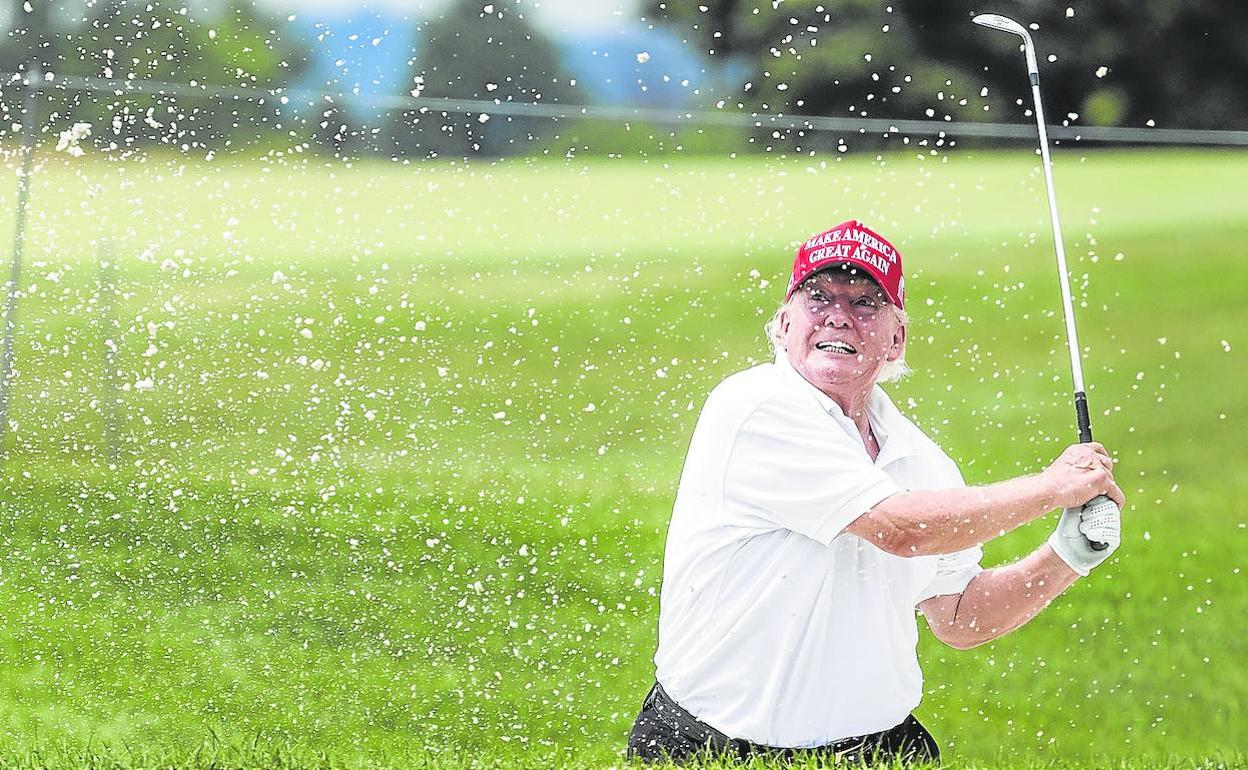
pixel 812 519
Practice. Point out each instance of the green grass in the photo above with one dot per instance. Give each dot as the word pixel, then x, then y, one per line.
pixel 428 529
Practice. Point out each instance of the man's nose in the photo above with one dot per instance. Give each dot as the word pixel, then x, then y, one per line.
pixel 837 316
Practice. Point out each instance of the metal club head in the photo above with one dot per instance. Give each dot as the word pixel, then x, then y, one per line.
pixel 1005 24
pixel 997 21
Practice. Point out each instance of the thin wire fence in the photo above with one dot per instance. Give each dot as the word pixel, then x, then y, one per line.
pixel 293 98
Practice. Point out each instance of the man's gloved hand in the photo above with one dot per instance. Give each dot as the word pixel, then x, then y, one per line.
pixel 1103 524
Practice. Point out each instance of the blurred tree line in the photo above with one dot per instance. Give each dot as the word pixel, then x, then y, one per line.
pixel 229 43
pixel 1103 62
pixel 488 52
pixel 469 51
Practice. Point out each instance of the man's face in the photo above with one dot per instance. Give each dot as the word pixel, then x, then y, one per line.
pixel 839 331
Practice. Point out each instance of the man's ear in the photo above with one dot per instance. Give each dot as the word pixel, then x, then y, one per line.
pixel 898 348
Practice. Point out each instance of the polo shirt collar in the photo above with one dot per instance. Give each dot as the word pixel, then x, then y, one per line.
pixel 892 430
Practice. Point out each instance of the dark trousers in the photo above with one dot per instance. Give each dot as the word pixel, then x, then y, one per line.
pixel 665 731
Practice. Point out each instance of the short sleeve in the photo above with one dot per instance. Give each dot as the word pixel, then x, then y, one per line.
pixel 954 571
pixel 801 471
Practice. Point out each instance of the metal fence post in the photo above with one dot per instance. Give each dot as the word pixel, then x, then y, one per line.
pixel 111 328
pixel 30 129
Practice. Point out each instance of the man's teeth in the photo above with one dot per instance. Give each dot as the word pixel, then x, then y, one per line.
pixel 837 347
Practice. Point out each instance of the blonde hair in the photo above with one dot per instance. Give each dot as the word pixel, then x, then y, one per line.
pixel 890 372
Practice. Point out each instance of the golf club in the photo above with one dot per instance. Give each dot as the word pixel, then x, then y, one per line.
pixel 1100 503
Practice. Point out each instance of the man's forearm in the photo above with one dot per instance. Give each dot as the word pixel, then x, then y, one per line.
pixel 999 600
pixel 927 522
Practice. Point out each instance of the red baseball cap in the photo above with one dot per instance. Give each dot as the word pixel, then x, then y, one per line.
pixel 851 243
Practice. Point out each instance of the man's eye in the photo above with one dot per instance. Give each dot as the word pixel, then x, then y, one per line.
pixel 865 302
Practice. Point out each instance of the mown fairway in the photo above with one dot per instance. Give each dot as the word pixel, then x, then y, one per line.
pixel 392 448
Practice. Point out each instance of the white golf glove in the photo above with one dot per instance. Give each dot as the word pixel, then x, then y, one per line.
pixel 1102 523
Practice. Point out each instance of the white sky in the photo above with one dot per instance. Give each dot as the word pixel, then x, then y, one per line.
pixel 552 14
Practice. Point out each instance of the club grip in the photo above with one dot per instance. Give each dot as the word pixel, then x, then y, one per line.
pixel 1093 507
pixel 1085 437
pixel 1081 415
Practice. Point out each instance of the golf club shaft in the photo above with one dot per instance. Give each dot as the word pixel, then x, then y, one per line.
pixel 1068 308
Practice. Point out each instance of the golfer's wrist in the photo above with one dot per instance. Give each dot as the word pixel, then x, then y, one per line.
pixel 1034 496
pixel 1067 560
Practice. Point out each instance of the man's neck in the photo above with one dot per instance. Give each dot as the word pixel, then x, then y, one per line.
pixel 855 408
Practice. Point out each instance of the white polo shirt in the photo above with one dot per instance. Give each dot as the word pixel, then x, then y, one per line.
pixel 774 625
